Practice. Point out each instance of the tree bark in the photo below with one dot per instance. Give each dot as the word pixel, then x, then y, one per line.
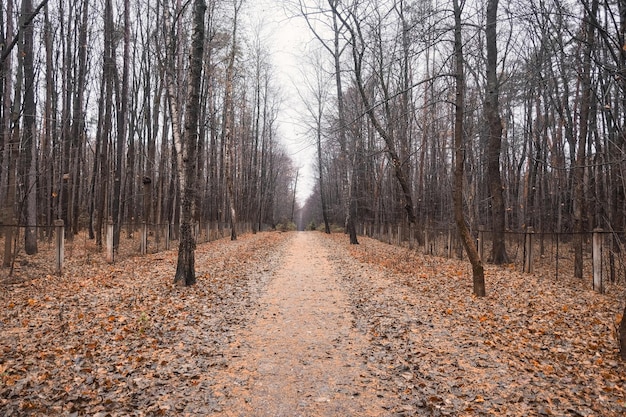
pixel 121 94
pixel 29 144
pixel 581 154
pixel 478 274
pixel 10 147
pixel 185 269
pixel 494 128
pixel 229 126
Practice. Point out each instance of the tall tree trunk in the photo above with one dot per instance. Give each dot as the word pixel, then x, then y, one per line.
pixel 185 269
pixel 108 75
pixel 229 122
pixel 3 111
pixel 29 153
pixel 494 128
pixel 10 147
pixel 581 155
pixel 320 169
pixel 348 197
pixel 49 126
pixel 122 124
pixel 78 117
pixel 478 274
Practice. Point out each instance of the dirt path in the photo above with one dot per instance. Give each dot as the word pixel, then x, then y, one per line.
pixel 301 356
pixel 303 324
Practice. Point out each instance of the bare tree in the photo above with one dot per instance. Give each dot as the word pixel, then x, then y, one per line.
pixel 494 128
pixel 185 269
pixel 478 275
pixel 10 147
pixel 29 144
pixel 359 45
pixel 228 134
pixel 317 86
pixel 578 176
pixel 336 48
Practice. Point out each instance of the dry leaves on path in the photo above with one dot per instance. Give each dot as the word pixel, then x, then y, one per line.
pixel 534 346
pixel 122 339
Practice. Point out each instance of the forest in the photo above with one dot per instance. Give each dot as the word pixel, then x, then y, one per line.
pixel 506 116
pixel 483 122
pixel 94 115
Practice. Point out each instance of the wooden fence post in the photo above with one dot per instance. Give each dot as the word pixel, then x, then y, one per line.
pixel 60 245
pixel 528 250
pixel 598 284
pixel 110 228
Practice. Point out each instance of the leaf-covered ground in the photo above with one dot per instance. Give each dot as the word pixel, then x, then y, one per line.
pixel 123 340
pixel 534 346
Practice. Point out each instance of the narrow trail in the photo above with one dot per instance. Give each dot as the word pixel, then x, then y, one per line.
pixel 301 355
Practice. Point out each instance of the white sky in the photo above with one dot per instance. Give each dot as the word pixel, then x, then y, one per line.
pixel 288 40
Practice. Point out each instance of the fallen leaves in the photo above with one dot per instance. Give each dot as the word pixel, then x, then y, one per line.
pixel 534 346
pixel 123 339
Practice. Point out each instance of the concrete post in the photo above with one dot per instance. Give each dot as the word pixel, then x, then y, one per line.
pixel 110 228
pixel 59 229
pixel 598 284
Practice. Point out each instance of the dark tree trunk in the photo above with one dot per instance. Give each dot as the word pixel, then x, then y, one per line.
pixel 581 154
pixel 478 274
pixel 185 269
pixel 121 94
pixel 320 173
pixel 494 128
pixel 29 159
pixel 229 125
pixel 10 147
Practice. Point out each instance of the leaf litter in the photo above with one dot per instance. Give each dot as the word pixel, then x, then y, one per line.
pixel 533 346
pixel 124 340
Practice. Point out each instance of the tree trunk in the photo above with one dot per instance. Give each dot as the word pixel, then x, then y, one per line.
pixel 121 94
pixel 320 170
pixel 12 132
pixel 229 122
pixel 108 74
pixel 345 158
pixel 185 269
pixel 581 154
pixel 29 144
pixel 494 127
pixel 478 275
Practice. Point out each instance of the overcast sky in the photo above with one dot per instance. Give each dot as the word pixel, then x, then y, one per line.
pixel 289 41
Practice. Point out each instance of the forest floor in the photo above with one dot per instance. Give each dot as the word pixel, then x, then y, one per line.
pixel 303 324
